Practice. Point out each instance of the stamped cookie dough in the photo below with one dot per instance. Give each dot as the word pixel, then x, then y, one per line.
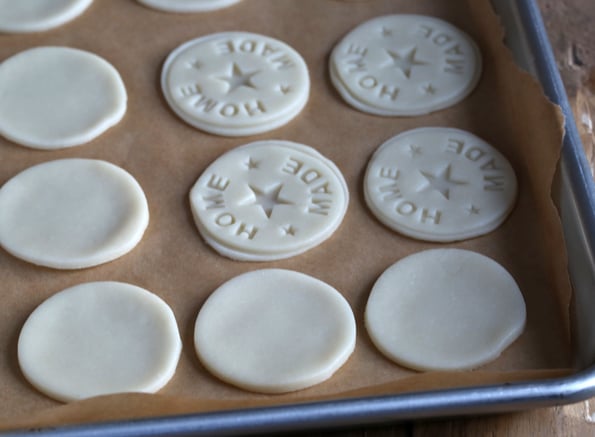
pixel 274 331
pixel 187 5
pixel 439 184
pixel 405 65
pixel 99 338
pixel 444 309
pixel 56 97
pixel 235 83
pixel 72 213
pixel 269 200
pixel 21 16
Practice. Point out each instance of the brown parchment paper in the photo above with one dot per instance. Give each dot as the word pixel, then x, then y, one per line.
pixel 166 156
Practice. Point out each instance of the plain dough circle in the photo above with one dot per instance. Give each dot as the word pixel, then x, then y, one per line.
pixel 57 97
pixel 444 309
pixel 235 83
pixel 21 16
pixel 304 200
pixel 405 65
pixel 72 213
pixel 99 338
pixel 439 184
pixel 274 331
pixel 187 5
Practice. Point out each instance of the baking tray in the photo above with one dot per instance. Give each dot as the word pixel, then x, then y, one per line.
pixel 574 192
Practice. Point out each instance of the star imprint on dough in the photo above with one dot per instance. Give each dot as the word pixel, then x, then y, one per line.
pixel 238 78
pixel 442 181
pixel 285 89
pixel 268 199
pixel 289 230
pixel 405 61
pixel 197 65
pixel 414 150
pixel 252 164
pixel 428 89
pixel 472 210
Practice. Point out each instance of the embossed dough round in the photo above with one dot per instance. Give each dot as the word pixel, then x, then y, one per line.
pixel 405 65
pixel 72 213
pixel 268 200
pixel 99 338
pixel 20 16
pixel 235 83
pixel 274 331
pixel 439 184
pixel 187 5
pixel 444 309
pixel 56 97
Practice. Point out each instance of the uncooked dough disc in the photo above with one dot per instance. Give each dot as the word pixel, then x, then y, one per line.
pixel 72 213
pixel 99 338
pixel 269 200
pixel 187 5
pixel 444 309
pixel 274 331
pixel 405 65
pixel 56 97
pixel 439 184
pixel 235 83
pixel 20 16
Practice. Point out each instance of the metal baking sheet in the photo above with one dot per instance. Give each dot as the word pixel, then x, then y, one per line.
pixel 575 193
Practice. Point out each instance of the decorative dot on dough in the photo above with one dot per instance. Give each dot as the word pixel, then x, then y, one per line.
pixel 57 97
pixel 444 309
pixel 187 5
pixel 439 184
pixel 99 338
pixel 268 200
pixel 21 16
pixel 274 331
pixel 235 83
pixel 72 213
pixel 405 65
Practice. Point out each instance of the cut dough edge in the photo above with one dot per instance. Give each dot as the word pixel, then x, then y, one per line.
pixel 497 345
pixel 323 373
pixel 109 254
pixel 158 309
pixel 238 253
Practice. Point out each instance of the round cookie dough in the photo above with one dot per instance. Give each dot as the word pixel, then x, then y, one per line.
pixel 187 5
pixel 56 97
pixel 439 184
pixel 274 331
pixel 444 309
pixel 405 65
pixel 21 16
pixel 268 200
pixel 72 213
pixel 235 83
pixel 99 338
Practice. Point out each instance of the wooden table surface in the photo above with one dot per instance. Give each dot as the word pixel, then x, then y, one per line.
pixel 571 28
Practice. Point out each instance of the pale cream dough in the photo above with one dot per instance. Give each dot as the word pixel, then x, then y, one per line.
pixel 235 83
pixel 99 338
pixel 444 309
pixel 56 97
pixel 269 200
pixel 439 184
pixel 274 331
pixel 405 65
pixel 187 5
pixel 21 16
pixel 72 213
